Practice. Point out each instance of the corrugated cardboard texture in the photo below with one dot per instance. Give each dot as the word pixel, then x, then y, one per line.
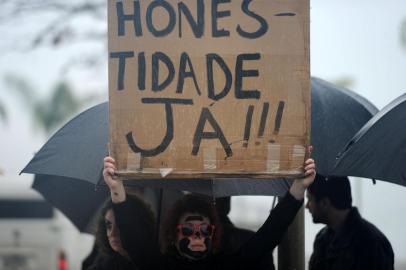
pixel 165 56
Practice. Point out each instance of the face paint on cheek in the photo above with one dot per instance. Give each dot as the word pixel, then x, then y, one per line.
pixel 194 255
pixel 208 243
pixel 183 245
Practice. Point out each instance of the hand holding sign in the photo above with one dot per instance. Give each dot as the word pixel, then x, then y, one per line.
pixel 115 184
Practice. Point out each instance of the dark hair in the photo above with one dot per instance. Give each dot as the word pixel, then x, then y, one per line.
pixel 223 206
pixel 189 204
pixel 101 231
pixel 335 188
pixel 145 218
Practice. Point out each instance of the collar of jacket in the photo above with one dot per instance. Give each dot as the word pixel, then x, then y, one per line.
pixel 345 235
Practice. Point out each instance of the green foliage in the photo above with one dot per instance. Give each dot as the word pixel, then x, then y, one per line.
pixel 3 113
pixel 50 112
pixel 345 81
pixel 53 111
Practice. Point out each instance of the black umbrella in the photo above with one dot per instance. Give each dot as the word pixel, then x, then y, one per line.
pixel 378 150
pixel 68 172
pixel 78 200
pixel 77 149
pixel 337 114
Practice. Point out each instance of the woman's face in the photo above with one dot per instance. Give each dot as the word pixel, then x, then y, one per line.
pixel 113 234
pixel 194 236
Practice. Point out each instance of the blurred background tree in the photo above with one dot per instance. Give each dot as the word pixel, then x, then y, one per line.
pixel 403 33
pixel 63 24
pixel 59 28
pixel 54 28
pixel 344 81
pixel 3 112
pixel 50 111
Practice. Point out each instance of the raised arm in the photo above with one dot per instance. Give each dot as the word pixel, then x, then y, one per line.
pixel 272 231
pixel 134 219
pixel 116 186
pixel 299 186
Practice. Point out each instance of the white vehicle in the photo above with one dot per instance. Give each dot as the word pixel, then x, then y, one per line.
pixel 35 236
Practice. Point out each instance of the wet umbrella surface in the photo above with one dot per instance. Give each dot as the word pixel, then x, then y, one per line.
pixel 75 154
pixel 378 150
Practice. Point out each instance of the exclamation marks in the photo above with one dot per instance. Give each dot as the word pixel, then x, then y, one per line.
pixel 264 115
pixel 141 71
pixel 248 121
pixel 263 121
pixel 278 120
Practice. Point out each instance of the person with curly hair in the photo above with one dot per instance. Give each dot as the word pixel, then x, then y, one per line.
pixel 197 225
pixel 191 235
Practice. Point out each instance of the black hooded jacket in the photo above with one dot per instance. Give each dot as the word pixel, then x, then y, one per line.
pixel 247 257
pixel 112 262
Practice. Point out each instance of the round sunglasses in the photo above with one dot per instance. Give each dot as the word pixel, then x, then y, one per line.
pixel 189 229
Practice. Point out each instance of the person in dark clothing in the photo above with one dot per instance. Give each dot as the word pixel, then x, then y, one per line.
pixel 91 258
pixel 232 237
pixel 146 195
pixel 348 241
pixel 194 244
pixel 111 254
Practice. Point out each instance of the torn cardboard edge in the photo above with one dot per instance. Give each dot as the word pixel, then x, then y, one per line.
pixel 156 174
pixel 135 170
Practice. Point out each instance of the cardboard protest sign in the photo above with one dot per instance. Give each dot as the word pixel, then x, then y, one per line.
pixel 209 88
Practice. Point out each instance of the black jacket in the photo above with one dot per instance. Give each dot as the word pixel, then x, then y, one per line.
pixel 359 245
pixel 247 257
pixel 112 262
pixel 232 238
